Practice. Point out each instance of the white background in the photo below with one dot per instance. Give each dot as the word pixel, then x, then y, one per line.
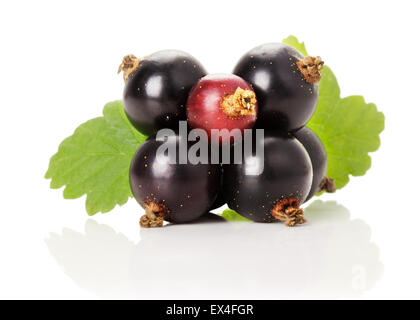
pixel 58 68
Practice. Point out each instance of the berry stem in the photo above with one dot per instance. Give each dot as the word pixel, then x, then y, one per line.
pixel 240 103
pixel 154 215
pixel 288 211
pixel 327 184
pixel 311 67
pixel 129 63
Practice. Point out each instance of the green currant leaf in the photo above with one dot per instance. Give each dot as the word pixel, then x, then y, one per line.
pixel 232 215
pixel 95 160
pixel 299 46
pixel 348 127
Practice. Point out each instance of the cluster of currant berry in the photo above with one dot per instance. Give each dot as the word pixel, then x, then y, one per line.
pixel 273 87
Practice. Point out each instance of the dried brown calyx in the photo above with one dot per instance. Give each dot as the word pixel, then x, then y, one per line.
pixel 311 67
pixel 240 103
pixel 128 65
pixel 328 185
pixel 289 211
pixel 154 216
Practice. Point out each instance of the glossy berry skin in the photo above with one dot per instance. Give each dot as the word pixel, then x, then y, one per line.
pixel 286 100
pixel 255 187
pixel 318 155
pixel 186 191
pixel 156 92
pixel 211 105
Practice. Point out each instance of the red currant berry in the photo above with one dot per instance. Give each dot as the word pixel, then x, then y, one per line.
pixel 222 101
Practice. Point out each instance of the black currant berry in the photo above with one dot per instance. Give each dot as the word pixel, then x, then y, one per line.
pixel 270 186
pixel 157 87
pixel 167 189
pixel 318 155
pixel 220 200
pixel 285 83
